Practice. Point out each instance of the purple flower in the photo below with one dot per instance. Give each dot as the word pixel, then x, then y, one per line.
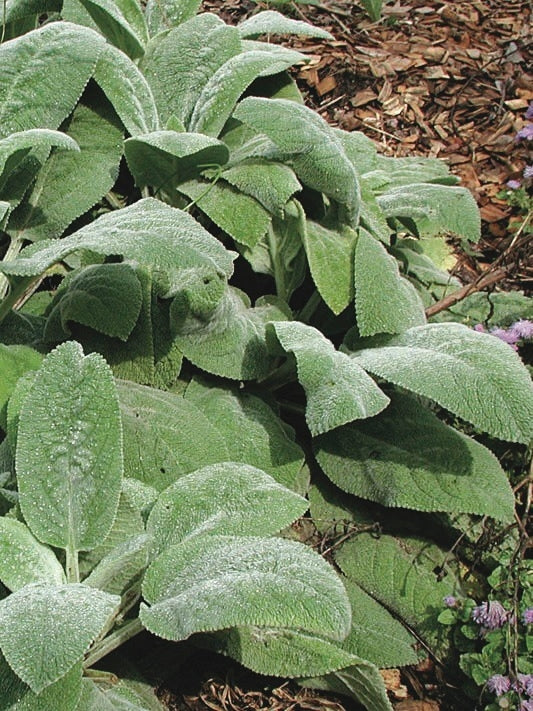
pixel 525 133
pixel 523 684
pixel 528 617
pixel 513 184
pixel 507 336
pixel 499 684
pixel 491 614
pixel 480 328
pixel 522 329
pixel 528 171
pixel 526 705
pixel 529 112
pixel 450 601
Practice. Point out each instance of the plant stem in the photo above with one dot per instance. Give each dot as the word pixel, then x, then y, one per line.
pixel 310 307
pixel 73 569
pixel 13 296
pixel 113 641
pixel 283 375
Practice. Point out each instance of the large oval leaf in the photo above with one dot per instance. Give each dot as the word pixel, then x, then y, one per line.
pixel 336 392
pixel 69 450
pixel 474 375
pixel 45 629
pixel 225 581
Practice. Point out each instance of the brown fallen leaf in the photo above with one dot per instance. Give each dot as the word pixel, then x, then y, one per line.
pixel 416 705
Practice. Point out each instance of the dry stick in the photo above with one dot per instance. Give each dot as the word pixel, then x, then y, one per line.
pixel 456 296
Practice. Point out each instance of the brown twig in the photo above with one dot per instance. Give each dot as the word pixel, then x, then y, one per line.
pixel 486 279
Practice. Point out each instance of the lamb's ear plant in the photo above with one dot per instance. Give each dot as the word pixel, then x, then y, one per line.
pixel 212 320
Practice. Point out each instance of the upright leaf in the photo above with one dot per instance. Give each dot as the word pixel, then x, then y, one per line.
pixel 31 75
pixel 226 581
pixel 385 302
pixel 69 450
pixel 336 392
pixel 474 375
pixel 164 14
pixel 70 615
pixel 116 27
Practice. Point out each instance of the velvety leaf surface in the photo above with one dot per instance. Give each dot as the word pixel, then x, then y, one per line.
pixel 45 629
pixel 229 498
pixel 180 63
pixel 362 682
pixel 389 172
pixel 360 149
pixel 271 184
pixel 165 14
pixel 117 698
pixel 385 302
pixel 320 161
pixel 230 341
pixel 121 566
pixel 14 362
pixel 165 436
pixel 165 158
pixel 69 450
pixel 330 254
pixel 71 183
pixel 434 209
pixel 224 581
pixel 407 457
pixel 127 90
pixel 251 430
pixel 474 375
pixel 336 392
pixel 148 231
pixel 31 74
pixel 110 19
pixel 23 559
pixel 17 696
pixel 272 22
pixel 16 10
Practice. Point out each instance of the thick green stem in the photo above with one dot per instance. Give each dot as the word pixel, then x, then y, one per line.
pixel 113 641
pixel 285 374
pixel 14 295
pixel 72 565
pixel 310 307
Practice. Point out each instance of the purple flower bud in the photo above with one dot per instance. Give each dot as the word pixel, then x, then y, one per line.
pixel 523 329
pixel 513 184
pixel 491 614
pixel 528 616
pixel 529 112
pixel 507 336
pixel 480 328
pixel 499 684
pixel 526 133
pixel 450 601
pixel 528 171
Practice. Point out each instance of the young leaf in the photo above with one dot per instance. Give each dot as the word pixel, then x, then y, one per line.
pixel 23 560
pixel 219 96
pixel 165 436
pixel 17 696
pixel 407 457
pixel 362 682
pixel 320 161
pixel 227 499
pixel 164 159
pixel 179 63
pixel 271 184
pixel 272 22
pixel 70 615
pixel 253 433
pixel 336 392
pixel 70 183
pixel 165 14
pixel 218 582
pixel 230 341
pixel 474 375
pixel 385 302
pixel 69 450
pixel 31 74
pixel 330 255
pixel 118 29
pixel 434 209
pixel 127 90
pixel 14 362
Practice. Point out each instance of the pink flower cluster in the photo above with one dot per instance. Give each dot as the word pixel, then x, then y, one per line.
pixel 525 134
pixel 521 330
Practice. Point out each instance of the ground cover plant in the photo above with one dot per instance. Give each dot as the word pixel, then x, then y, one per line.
pixel 213 322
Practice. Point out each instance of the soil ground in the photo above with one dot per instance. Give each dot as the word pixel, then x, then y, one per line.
pixel 439 78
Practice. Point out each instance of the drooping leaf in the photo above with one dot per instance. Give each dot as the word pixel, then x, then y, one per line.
pixel 16 10
pixel 31 75
pixel 385 302
pixel 149 232
pixel 70 183
pixel 17 696
pixel 272 184
pixel 362 682
pixel 230 340
pixel 330 255
pixel 121 566
pixel 70 615
pixel 114 20
pixel 14 362
pixel 272 22
pixel 105 297
pixel 69 450
pixel 23 560
pixel 320 161
pixel 238 214
pixel 336 392
pixel 165 436
pixel 127 90
pixel 164 159
pixel 121 696
pixel 165 14
pixel 226 499
pixel 226 581
pixel 474 375
pixel 220 94
pixel 253 433
pixel 407 457
pixel 179 63
pixel 392 172
pixel 434 209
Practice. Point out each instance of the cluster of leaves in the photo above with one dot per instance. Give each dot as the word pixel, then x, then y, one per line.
pixel 255 262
